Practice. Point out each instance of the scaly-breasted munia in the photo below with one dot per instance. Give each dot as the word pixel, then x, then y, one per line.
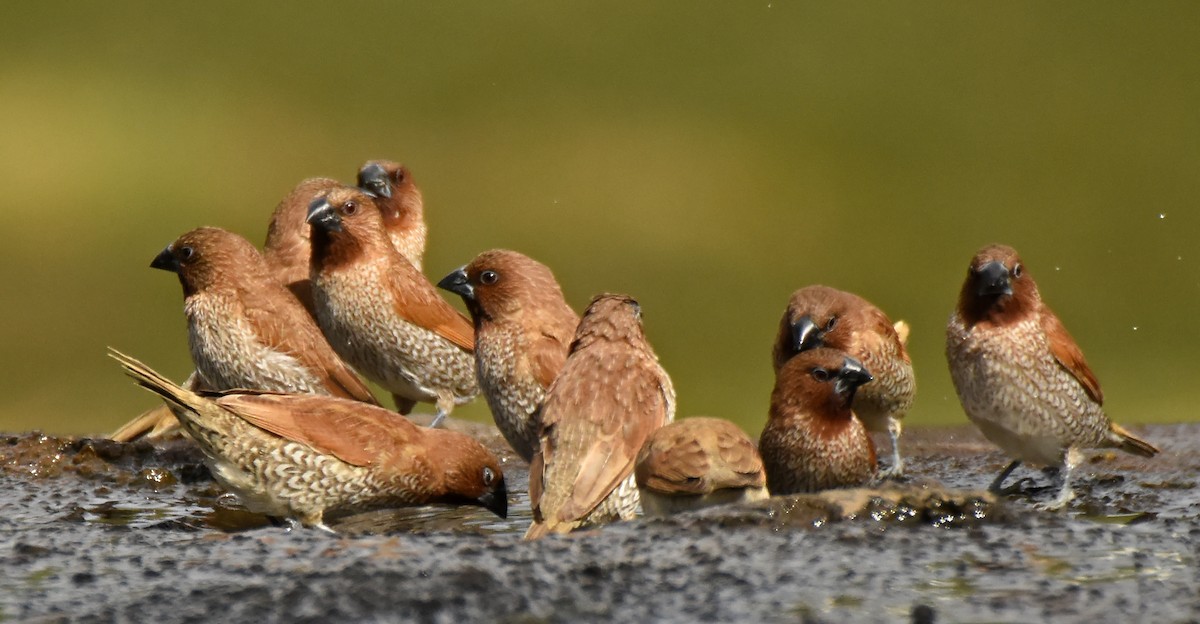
pixel 819 316
pixel 1021 378
pixel 245 329
pixel 698 462
pixel 399 201
pixel 609 397
pixel 812 440
pixel 308 457
pixel 381 314
pixel 523 328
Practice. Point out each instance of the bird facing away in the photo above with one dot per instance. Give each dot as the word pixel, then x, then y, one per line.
pixel 399 201
pixel 523 328
pixel 308 457
pixel 380 313
pixel 1021 378
pixel 819 316
pixel 609 397
pixel 289 243
pixel 245 329
pixel 812 440
pixel 698 462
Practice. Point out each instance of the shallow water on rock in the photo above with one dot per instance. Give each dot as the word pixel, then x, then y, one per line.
pixel 140 531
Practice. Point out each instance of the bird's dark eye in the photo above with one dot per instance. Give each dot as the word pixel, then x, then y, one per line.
pixel 488 277
pixel 832 321
pixel 400 176
pixel 1017 270
pixel 349 208
pixel 488 476
pixel 186 253
pixel 820 374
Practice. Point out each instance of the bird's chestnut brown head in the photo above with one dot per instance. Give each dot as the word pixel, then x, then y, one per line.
pixel 208 257
pixel 345 221
pixel 820 380
pixel 612 318
pixel 471 473
pixel 819 316
pixel 998 288
pixel 392 183
pixel 500 284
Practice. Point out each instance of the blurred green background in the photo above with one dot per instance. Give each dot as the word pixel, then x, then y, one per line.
pixel 707 157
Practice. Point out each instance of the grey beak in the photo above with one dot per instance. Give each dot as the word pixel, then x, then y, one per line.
pixel 852 375
pixel 321 214
pixel 165 260
pixel 374 180
pixel 993 280
pixel 456 282
pixel 806 335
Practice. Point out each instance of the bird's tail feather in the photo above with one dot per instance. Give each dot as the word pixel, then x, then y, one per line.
pixel 1132 444
pixel 150 424
pixel 902 330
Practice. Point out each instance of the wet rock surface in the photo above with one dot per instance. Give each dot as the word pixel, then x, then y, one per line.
pixel 100 531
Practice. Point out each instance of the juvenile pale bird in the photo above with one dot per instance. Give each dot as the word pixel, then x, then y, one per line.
pixel 819 316
pixel 609 397
pixel 309 458
pixel 812 440
pixel 698 462
pixel 1021 378
pixel 523 329
pixel 380 313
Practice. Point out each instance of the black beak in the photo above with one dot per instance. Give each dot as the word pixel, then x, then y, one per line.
pixel 456 282
pixel 851 377
pixel 992 280
pixel 321 214
pixel 496 500
pixel 165 260
pixel 806 335
pixel 374 180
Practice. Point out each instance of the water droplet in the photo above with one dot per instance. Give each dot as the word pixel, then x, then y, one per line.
pixel 1057 268
pixel 1162 215
pixel 1135 328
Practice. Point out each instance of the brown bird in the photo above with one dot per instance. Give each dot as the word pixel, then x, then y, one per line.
pixel 381 314
pixel 308 457
pixel 698 462
pixel 607 400
pixel 819 316
pixel 289 245
pixel 523 329
pixel 812 440
pixel 1021 378
pixel 399 201
pixel 245 329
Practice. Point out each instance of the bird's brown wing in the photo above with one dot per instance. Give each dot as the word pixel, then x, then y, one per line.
pixel 741 458
pixel 287 327
pixel 676 465
pixel 1068 354
pixel 547 354
pixel 619 429
pixel 417 302
pixel 355 433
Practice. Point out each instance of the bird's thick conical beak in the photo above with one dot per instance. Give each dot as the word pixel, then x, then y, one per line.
pixel 805 334
pixel 993 280
pixel 457 283
pixel 374 180
pixel 165 260
pixel 496 500
pixel 852 375
pixel 321 214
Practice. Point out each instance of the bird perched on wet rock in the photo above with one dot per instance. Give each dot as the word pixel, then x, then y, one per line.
pixel 245 329
pixel 399 201
pixel 819 316
pixel 309 457
pixel 698 462
pixel 609 397
pixel 1021 378
pixel 812 440
pixel 380 313
pixel 523 329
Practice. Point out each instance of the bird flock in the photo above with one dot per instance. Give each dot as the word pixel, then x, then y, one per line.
pixel 279 339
